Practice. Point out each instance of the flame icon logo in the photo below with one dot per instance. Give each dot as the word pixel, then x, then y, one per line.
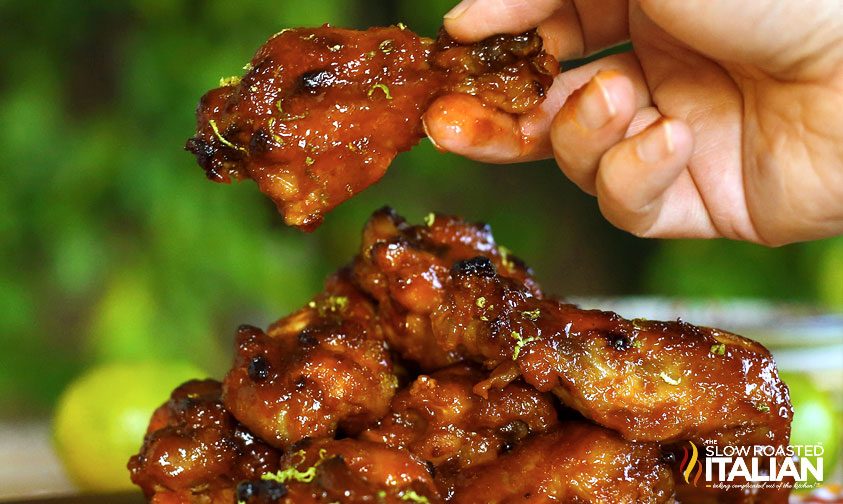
pixel 691 461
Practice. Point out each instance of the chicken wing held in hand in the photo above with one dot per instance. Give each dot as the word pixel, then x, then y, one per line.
pixel 321 113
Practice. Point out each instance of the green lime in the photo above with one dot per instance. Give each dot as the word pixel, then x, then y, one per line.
pixel 815 421
pixel 102 416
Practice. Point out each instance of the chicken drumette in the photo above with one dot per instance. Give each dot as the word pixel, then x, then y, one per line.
pixel 195 452
pixel 323 367
pixel 321 112
pixel 441 420
pixel 579 462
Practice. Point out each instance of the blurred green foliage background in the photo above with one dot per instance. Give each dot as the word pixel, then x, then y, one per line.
pixel 114 247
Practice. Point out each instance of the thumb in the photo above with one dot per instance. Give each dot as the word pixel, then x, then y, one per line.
pixel 787 39
pixel 473 20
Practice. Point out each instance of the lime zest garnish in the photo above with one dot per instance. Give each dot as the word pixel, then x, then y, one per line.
pixel 229 81
pixel 520 341
pixel 718 349
pixel 382 87
pixel 412 496
pixel 222 139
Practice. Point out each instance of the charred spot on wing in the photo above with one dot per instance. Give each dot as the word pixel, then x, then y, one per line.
pixel 258 368
pixel 619 341
pixel 306 338
pixel 314 81
pixel 302 444
pixel 260 491
pixel 260 142
pixel 499 51
pixel 476 266
pixel 206 154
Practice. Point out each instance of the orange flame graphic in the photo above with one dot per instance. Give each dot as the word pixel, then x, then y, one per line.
pixel 691 461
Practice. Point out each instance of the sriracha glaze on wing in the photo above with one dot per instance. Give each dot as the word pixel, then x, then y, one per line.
pixel 321 112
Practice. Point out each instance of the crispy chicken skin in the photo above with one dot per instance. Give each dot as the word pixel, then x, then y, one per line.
pixel 650 381
pixel 321 112
pixel 405 268
pixel 578 463
pixel 348 471
pixel 195 452
pixel 325 366
pixel 441 420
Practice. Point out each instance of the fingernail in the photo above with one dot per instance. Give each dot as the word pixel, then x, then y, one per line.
pixel 459 9
pixel 595 108
pixel 657 144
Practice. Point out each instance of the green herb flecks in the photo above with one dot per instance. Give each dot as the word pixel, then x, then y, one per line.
pixel 520 341
pixel 288 117
pixel 229 81
pixel 222 138
pixel 718 349
pixel 292 473
pixel 412 496
pixel 382 87
pixel 480 302
pixel 308 161
pixel 531 315
pixel 429 219
pixel 762 407
pixel 506 259
pixel 335 304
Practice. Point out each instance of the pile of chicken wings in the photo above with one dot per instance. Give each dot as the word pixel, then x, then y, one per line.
pixel 434 369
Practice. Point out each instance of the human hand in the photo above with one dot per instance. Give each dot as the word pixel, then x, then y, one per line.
pixel 725 121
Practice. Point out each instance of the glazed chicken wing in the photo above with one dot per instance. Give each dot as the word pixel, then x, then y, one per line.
pixel 195 452
pixel 324 366
pixel 321 113
pixel 349 471
pixel 441 420
pixel 405 267
pixel 578 463
pixel 650 381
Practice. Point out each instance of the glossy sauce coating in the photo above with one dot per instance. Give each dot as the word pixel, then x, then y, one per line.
pixel 650 381
pixel 479 424
pixel 195 451
pixel 578 463
pixel 441 420
pixel 321 112
pixel 405 268
pixel 348 471
pixel 322 367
